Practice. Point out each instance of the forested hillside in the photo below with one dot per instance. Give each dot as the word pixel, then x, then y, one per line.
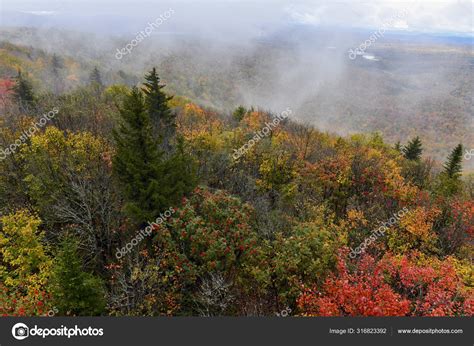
pixel 400 88
pixel 122 199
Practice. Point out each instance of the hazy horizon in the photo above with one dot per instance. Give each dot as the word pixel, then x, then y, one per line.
pixel 241 20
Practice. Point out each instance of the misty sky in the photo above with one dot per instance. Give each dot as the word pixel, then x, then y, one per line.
pixel 227 17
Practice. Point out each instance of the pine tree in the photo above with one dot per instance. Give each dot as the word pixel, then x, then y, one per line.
pixel 412 151
pixel 23 92
pixel 163 120
pixel 453 167
pixel 138 163
pixel 75 292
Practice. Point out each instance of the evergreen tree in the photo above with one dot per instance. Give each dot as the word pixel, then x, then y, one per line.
pixel 23 92
pixel 56 66
pixel 163 120
pixel 398 147
pixel 75 292
pixel 239 113
pixel 412 151
pixel 453 167
pixel 151 182
pixel 181 171
pixel 449 182
pixel 138 163
pixel 95 77
pixel 179 168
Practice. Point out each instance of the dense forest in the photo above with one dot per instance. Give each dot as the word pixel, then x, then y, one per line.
pixel 119 200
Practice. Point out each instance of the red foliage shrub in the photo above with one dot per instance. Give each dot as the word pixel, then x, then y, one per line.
pixel 13 303
pixel 393 286
pixel 5 86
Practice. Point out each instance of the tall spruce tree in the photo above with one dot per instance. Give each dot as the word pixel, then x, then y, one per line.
pixel 180 168
pixel 163 120
pixel 453 167
pixel 412 151
pixel 449 182
pixel 152 181
pixel 23 92
pixel 138 162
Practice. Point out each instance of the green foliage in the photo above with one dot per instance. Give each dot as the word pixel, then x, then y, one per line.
pixel 23 92
pixel 163 120
pixel 449 181
pixel 75 292
pixel 412 151
pixel 25 266
pixel 239 113
pixel 150 183
pixel 96 77
pixel 13 195
pixel 138 163
pixel 304 256
pixel 24 263
pixel 279 217
pixel 453 167
pixel 418 172
pixel 95 82
pixel 277 171
pixel 69 180
pixel 117 93
pixel 53 160
pixel 211 233
pixel 180 173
